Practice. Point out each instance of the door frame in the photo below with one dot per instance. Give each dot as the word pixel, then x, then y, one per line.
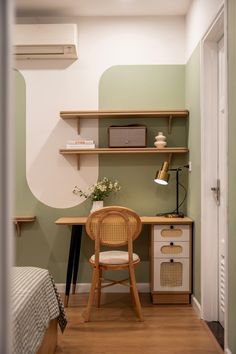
pixel 209 110
pixel 6 230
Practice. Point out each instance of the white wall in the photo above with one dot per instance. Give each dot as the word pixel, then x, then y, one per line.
pixel 198 19
pixel 102 43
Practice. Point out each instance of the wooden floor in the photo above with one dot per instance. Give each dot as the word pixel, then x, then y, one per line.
pixel 167 329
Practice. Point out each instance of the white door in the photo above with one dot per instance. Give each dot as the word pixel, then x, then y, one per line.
pixel 221 182
pixel 214 172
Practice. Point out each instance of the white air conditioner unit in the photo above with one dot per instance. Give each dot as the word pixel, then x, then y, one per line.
pixel 45 41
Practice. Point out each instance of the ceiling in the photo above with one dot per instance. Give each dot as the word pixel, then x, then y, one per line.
pixel 64 8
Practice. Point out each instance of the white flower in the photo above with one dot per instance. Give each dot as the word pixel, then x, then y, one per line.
pixel 100 190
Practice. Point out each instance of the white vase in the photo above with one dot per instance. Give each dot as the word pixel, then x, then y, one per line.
pixel 160 142
pixel 97 204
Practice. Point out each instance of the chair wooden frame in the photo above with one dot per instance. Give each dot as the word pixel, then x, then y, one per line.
pixel 132 225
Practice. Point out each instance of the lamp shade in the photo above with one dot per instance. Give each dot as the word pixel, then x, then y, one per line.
pixel 162 176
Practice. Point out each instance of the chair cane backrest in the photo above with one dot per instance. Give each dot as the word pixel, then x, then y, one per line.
pixel 114 226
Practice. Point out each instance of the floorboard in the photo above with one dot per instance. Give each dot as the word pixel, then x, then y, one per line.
pixel 167 329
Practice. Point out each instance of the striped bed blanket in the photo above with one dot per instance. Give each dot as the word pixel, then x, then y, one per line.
pixel 35 301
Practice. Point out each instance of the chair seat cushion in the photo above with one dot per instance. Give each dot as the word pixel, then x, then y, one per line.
pixel 114 257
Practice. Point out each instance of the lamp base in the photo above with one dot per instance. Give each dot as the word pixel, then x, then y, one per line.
pixel 171 215
pixel 174 215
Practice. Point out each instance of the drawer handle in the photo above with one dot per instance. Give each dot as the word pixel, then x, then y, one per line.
pixel 171 243
pixel 171 227
pixel 171 261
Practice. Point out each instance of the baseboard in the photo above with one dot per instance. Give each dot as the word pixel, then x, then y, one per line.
pixel 227 351
pixel 196 306
pixel 85 287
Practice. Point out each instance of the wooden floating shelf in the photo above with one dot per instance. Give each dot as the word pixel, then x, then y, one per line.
pixel 123 114
pixel 18 220
pixel 100 151
pixel 123 151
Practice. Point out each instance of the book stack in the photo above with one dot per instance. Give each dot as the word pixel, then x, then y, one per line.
pixel 80 144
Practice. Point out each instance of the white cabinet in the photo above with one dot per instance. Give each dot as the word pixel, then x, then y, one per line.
pixel 171 263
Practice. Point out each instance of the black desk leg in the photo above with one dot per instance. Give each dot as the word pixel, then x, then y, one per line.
pixel 77 255
pixel 75 234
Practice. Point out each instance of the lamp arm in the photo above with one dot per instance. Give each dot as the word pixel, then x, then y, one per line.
pixel 177 170
pixel 162 177
pixel 177 191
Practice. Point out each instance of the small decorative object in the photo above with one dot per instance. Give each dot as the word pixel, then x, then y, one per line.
pixel 97 204
pixel 160 142
pixel 98 192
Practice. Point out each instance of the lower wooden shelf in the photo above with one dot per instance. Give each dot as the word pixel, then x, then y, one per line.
pixel 148 150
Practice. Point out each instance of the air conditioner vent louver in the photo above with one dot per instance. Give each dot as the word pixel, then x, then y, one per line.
pixel 47 41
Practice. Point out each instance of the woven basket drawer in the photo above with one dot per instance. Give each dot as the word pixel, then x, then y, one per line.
pixel 171 249
pixel 171 274
pixel 172 232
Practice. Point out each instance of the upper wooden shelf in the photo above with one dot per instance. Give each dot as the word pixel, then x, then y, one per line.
pixel 18 220
pixel 124 114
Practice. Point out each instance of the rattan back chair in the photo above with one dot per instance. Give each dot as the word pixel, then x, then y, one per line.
pixel 113 226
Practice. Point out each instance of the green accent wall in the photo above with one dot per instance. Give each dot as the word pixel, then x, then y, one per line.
pixel 232 175
pixel 140 87
pixel 192 94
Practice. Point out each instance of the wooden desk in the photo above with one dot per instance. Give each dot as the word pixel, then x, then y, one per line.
pixel 75 242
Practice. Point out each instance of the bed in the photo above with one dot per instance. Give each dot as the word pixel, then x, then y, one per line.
pixel 36 310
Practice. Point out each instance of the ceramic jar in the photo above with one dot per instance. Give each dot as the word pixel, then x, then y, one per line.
pixel 160 142
pixel 97 204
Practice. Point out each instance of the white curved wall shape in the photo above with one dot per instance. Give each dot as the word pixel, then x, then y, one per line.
pixel 102 43
pixel 51 177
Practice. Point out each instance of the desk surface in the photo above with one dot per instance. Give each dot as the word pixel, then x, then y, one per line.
pixel 81 220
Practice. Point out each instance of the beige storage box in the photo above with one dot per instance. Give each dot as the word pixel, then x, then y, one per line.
pixel 127 136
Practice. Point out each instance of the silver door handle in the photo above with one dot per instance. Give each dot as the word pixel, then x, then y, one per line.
pixel 216 190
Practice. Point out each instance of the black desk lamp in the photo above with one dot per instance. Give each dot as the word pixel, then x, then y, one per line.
pixel 162 177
